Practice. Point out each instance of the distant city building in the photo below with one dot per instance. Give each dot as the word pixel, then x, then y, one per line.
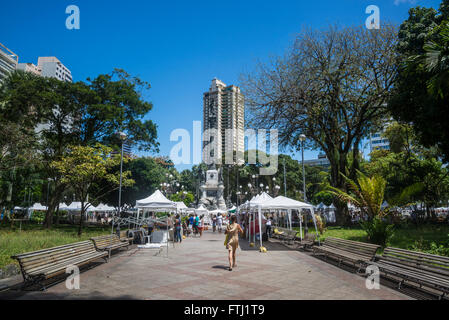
pixel 29 67
pixel 49 67
pixel 224 110
pixel 53 68
pixel 378 141
pixel 322 161
pixel 8 61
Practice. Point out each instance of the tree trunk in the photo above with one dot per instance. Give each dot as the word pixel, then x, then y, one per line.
pixel 338 165
pixel 54 200
pixel 80 228
pixel 57 215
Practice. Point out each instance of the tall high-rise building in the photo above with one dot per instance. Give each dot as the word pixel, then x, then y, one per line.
pixel 53 68
pixel 224 111
pixel 8 61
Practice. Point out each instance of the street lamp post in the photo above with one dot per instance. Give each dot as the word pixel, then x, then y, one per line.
pixel 303 138
pixel 122 137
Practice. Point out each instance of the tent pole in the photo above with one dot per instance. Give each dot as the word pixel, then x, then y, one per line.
pixel 290 218
pixel 316 229
pixel 249 227
pixel 300 224
pixel 254 225
pixel 260 225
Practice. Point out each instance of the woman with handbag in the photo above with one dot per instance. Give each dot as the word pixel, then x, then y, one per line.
pixel 232 240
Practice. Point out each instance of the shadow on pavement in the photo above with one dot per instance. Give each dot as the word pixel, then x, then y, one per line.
pixel 271 245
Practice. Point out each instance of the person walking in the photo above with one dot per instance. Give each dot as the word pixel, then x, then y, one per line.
pixel 191 220
pixel 232 240
pixel 196 222
pixel 220 222
pixel 214 223
pixel 177 223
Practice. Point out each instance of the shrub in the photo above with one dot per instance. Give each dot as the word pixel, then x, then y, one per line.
pixel 379 231
pixel 38 216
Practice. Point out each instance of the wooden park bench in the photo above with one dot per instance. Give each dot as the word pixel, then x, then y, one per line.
pixel 125 236
pixel 307 242
pixel 109 243
pixel 421 268
pixel 39 266
pixel 285 235
pixel 357 253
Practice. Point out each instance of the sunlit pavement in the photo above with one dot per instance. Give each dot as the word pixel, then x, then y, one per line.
pixel 197 270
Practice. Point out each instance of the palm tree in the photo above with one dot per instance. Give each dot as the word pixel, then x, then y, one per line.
pixel 367 194
pixel 436 62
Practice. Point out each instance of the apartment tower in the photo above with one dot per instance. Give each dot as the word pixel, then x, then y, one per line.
pixel 224 113
pixel 8 61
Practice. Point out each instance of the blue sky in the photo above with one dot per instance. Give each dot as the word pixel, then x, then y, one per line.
pixel 177 46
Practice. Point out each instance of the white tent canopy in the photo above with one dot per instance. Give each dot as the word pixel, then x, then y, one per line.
pixel 260 199
pixel 201 210
pixel 38 207
pixel 156 202
pixel 284 203
pixel 104 208
pixel 217 211
pixel 76 206
pixel 181 206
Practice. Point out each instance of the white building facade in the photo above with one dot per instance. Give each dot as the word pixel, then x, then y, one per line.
pixel 8 61
pixel 53 68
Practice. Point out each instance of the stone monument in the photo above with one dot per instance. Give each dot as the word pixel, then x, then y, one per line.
pixel 212 190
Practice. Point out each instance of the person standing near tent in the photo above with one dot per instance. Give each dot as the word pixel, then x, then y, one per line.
pixel 220 222
pixel 201 225
pixel 268 225
pixel 178 236
pixel 232 240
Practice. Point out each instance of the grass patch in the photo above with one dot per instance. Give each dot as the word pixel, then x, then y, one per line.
pixel 33 237
pixel 423 238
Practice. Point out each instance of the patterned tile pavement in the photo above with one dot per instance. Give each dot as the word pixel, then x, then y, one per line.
pixel 197 270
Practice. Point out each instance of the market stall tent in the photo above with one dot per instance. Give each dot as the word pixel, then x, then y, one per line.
pixel 156 202
pixel 284 203
pixel 181 207
pixel 38 207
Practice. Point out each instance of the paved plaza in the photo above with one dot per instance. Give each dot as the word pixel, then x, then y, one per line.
pixel 197 270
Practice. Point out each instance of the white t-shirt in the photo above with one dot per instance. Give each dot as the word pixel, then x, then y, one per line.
pixel 220 220
pixel 269 223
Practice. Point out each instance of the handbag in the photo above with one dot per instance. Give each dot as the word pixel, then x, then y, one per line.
pixel 226 240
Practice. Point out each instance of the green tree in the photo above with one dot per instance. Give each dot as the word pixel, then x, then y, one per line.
pixel 332 87
pixel 147 173
pixel 420 95
pixel 84 167
pixel 183 196
pixel 368 195
pixel 79 113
